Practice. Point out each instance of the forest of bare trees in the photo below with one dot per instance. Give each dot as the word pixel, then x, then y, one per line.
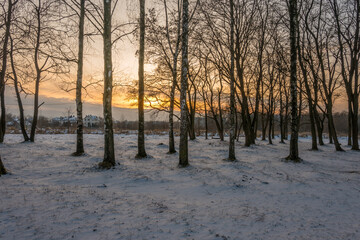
pixel 239 64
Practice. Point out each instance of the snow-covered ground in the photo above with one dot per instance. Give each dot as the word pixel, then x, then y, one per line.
pixel 52 195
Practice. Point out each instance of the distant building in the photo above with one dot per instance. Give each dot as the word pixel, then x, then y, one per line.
pixel 91 121
pixel 64 120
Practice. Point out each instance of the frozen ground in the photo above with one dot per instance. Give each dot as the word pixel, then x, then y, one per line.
pixel 51 195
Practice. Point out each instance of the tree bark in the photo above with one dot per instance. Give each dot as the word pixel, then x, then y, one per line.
pixel 2 168
pixel 79 111
pixel 38 74
pixel 294 150
pixel 18 96
pixel 3 70
pixel 183 149
pixel 141 131
pixel 171 113
pixel 282 132
pixel 350 117
pixel 109 151
pixel 232 156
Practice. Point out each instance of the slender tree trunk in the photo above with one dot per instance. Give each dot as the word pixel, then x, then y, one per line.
pixel 221 120
pixel 319 126
pixel 3 70
pixel 2 168
pixel 263 126
pixel 3 114
pixel 270 121
pixel 38 76
pixel 18 96
pixel 349 123
pixel 141 135
pixel 330 132
pixel 36 108
pixel 171 113
pixel 270 129
pixel 206 120
pixel 191 125
pixel 79 111
pixel 309 95
pixel 355 122
pixel 332 129
pixel 183 149
pixel 281 115
pixel 313 128
pixel 286 124
pixel 273 124
pixel 294 150
pixel 109 151
pixel 232 156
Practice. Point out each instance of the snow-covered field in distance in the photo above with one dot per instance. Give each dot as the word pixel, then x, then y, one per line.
pixel 52 195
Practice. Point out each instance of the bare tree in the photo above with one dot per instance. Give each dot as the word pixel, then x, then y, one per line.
pixel 321 64
pixel 348 37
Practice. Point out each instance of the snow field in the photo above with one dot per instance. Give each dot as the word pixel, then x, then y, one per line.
pixel 52 195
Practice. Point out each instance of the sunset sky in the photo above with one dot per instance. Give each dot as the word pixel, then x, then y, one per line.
pixel 125 64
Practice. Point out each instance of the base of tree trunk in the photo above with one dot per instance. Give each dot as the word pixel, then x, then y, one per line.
pixel 314 149
pixel 338 148
pixel 295 160
pixel 171 152
pixel 2 168
pixel 77 154
pixel 105 165
pixel 230 160
pixel 140 156
pixel 183 165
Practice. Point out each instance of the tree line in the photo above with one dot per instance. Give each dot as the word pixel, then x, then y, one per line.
pixel 242 60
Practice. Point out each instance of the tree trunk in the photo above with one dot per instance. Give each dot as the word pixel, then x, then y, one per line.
pixel 18 96
pixel 355 122
pixel 330 132
pixel 286 124
pixel 308 93
pixel 206 121
pixel 221 120
pixel 2 168
pixel 79 111
pixel 232 156
pixel 191 124
pixel 263 125
pixel 109 152
pixel 171 113
pixel 3 70
pixel 319 126
pixel 38 76
pixel 183 149
pixel 141 134
pixel 281 115
pixel 350 117
pixel 294 151
pixel 270 129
